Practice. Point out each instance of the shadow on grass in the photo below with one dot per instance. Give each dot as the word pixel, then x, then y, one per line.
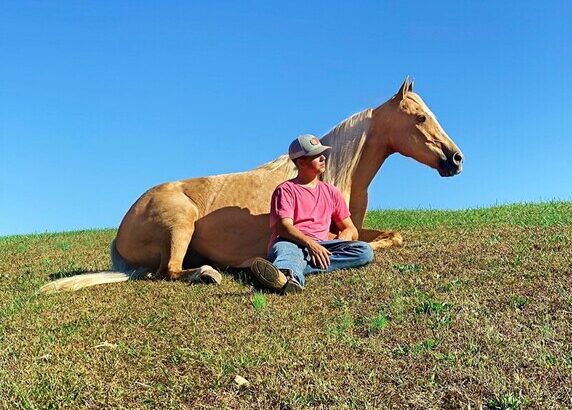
pixel 239 275
pixel 68 273
pixel 244 278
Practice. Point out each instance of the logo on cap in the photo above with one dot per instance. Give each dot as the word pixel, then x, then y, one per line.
pixel 314 141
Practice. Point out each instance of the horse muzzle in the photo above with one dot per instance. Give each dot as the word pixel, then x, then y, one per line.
pixel 452 165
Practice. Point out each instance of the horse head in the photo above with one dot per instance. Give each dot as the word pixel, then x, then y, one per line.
pixel 413 131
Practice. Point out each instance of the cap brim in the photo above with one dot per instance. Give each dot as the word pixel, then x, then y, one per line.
pixel 317 150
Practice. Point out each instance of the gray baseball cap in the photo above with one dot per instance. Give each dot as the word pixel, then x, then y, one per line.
pixel 305 146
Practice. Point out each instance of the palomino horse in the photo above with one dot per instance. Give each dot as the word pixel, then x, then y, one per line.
pixel 224 218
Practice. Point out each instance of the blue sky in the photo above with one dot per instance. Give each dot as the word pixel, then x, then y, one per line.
pixel 99 101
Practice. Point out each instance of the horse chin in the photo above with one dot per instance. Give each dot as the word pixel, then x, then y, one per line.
pixel 447 171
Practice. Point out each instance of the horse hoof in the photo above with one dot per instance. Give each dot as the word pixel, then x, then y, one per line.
pixel 209 275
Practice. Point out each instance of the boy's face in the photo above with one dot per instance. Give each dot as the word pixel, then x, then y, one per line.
pixel 315 164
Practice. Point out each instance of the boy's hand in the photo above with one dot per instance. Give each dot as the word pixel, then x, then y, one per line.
pixel 320 256
pixel 345 235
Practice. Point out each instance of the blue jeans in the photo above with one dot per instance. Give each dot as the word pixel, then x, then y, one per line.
pixel 345 254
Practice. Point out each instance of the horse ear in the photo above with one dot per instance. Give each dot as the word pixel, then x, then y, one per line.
pixel 411 86
pixel 404 88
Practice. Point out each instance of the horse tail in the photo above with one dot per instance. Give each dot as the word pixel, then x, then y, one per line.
pixel 121 272
pixel 77 282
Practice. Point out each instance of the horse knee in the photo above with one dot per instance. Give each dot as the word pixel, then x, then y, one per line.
pixel 396 238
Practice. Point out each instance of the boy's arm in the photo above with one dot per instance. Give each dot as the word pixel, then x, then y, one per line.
pixel 348 231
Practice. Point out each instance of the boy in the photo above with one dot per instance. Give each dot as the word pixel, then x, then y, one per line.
pixel 302 210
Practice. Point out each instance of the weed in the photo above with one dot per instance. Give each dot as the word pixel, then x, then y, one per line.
pixel 431 306
pixel 154 318
pixel 259 301
pixel 342 327
pixel 16 305
pixel 416 349
pixel 340 303
pixel 424 346
pixel 405 268
pixel 438 310
pixel 550 359
pixel 450 285
pixel 396 307
pixel 432 382
pixel 519 302
pixel 64 245
pixel 547 331
pixel 47 262
pixel 446 357
pixel 378 323
pixel 401 350
pixel 556 239
pixel 493 240
pixel 508 401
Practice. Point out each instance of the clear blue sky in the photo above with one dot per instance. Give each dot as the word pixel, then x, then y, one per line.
pixel 100 100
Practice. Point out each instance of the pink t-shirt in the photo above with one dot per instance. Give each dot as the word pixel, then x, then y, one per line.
pixel 311 209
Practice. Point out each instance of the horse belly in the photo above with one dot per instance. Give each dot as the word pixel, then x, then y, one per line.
pixel 231 236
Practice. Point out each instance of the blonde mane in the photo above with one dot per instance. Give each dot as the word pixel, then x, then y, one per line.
pixel 282 163
pixel 347 140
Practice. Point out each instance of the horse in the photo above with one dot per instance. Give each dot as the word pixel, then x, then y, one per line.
pixel 174 228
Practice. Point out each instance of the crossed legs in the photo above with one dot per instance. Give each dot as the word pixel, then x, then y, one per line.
pixel 286 255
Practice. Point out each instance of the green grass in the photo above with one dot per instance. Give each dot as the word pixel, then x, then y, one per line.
pixel 379 322
pixel 555 213
pixel 473 311
pixel 506 402
pixel 258 301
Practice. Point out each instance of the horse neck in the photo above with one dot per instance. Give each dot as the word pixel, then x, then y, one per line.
pixel 376 149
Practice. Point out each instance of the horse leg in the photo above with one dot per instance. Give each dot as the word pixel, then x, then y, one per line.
pixel 173 255
pixel 380 239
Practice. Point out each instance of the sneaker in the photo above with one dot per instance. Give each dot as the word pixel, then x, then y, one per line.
pixel 267 274
pixel 292 286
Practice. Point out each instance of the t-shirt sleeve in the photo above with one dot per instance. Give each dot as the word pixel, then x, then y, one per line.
pixel 341 210
pixel 281 205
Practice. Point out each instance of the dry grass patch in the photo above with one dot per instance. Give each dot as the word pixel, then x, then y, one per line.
pixel 475 315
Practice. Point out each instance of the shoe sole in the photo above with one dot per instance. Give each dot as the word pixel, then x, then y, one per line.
pixel 267 274
pixel 292 287
pixel 205 274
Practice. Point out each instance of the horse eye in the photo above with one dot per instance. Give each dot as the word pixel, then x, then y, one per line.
pixel 421 119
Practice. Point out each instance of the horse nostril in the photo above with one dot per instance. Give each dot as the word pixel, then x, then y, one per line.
pixel 457 158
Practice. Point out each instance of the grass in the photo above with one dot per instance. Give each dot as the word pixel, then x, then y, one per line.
pixel 550 214
pixel 506 402
pixel 473 311
pixel 259 301
pixel 379 322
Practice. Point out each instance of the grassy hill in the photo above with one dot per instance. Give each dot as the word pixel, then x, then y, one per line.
pixel 475 309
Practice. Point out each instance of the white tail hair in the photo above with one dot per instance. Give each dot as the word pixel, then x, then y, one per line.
pixel 121 273
pixel 83 281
